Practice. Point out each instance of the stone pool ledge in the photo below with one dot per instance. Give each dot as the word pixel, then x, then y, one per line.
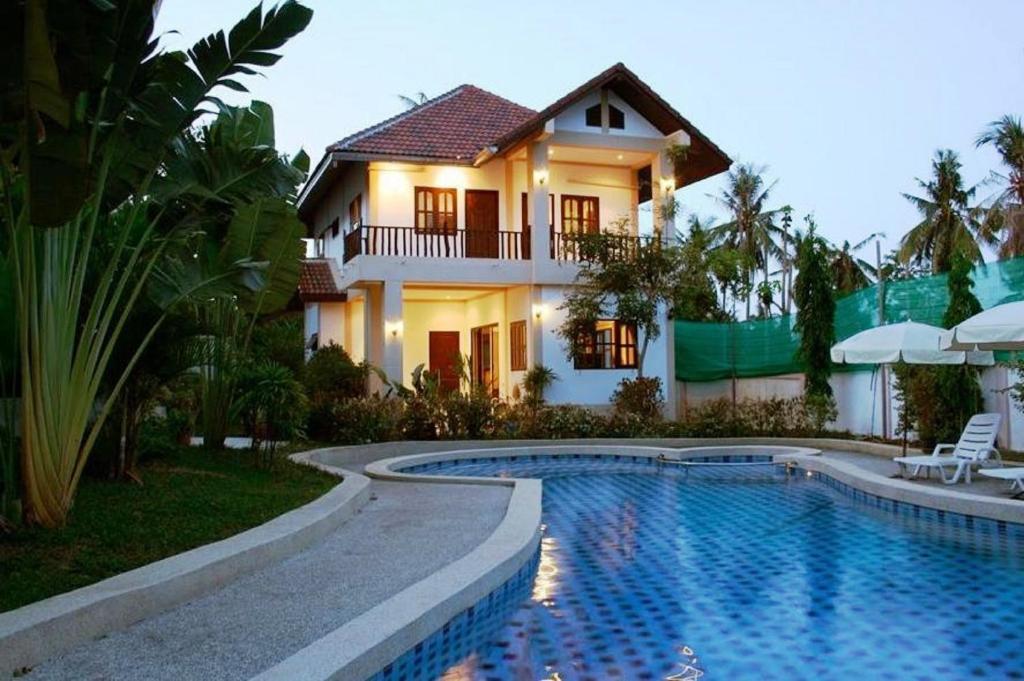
pixel 42 630
pixel 364 645
pixel 954 498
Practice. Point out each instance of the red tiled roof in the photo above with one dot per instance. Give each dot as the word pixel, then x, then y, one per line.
pixel 316 282
pixel 454 126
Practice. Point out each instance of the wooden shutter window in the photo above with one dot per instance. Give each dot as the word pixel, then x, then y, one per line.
pixel 355 211
pixel 580 214
pixel 435 210
pixel 611 345
pixel 517 345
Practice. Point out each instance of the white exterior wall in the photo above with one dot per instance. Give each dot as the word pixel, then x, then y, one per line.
pixel 422 317
pixel 392 188
pixel 574 118
pixel 858 397
pixel 615 188
pixel 591 387
pixel 335 205
pixel 310 322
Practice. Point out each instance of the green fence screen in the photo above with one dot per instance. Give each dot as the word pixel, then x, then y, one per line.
pixel 767 347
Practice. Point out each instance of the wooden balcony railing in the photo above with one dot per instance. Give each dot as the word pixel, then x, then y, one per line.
pixel 415 243
pixel 574 246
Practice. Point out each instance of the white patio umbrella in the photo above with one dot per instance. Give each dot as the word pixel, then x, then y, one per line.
pixel 909 342
pixel 997 328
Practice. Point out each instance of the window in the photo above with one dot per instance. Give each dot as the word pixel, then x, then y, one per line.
pixel 435 210
pixel 616 119
pixel 611 345
pixel 525 210
pixel 334 227
pixel 580 214
pixel 355 211
pixel 643 182
pixel 517 345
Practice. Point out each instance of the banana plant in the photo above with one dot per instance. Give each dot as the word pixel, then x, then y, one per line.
pixel 92 108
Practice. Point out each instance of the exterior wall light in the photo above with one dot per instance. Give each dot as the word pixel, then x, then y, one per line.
pixel 538 311
pixel 393 329
pixel 668 185
pixel 540 177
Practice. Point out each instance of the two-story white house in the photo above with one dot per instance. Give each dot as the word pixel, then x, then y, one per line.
pixel 447 231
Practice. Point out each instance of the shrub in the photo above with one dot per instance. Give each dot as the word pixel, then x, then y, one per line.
pixel 468 415
pixel 364 420
pixel 270 405
pixel 639 397
pixel 775 417
pixel 332 375
pixel 535 381
pixel 565 421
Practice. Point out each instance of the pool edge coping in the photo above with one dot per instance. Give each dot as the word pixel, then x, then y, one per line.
pixel 33 633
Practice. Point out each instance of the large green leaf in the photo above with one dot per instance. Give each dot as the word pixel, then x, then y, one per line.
pixel 267 232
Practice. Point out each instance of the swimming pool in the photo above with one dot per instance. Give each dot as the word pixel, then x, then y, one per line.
pixel 746 572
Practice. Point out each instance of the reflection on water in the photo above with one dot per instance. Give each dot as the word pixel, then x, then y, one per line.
pixel 655 575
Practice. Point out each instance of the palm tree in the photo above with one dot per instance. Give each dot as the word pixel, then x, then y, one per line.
pixel 852 273
pixel 413 101
pixel 1007 210
pixel 949 224
pixel 751 231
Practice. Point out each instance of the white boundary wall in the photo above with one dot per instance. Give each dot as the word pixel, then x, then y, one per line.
pixel 859 399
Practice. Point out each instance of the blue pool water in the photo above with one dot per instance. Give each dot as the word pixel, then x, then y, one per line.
pixel 649 572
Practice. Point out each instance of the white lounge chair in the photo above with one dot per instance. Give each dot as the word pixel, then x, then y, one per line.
pixel 976 446
pixel 1015 476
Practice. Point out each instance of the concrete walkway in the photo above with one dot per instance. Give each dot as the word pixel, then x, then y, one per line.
pixel 405 533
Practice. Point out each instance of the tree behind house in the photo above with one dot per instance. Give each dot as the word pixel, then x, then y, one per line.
pixel 815 316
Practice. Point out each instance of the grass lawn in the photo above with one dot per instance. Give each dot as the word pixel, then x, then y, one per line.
pixel 187 499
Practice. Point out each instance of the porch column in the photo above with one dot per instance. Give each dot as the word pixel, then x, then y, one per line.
pixel 538 180
pixel 373 332
pixel 393 331
pixel 535 346
pixel 663 188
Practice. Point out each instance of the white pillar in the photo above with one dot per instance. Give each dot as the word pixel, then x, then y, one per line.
pixel 671 408
pixel 538 180
pixel 663 186
pixel 393 331
pixel 535 336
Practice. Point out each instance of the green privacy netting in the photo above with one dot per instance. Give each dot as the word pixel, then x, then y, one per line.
pixel 767 347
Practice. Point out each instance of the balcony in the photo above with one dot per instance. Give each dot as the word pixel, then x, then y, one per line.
pixel 410 242
pixel 581 247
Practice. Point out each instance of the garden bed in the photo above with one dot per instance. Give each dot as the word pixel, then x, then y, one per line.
pixel 188 498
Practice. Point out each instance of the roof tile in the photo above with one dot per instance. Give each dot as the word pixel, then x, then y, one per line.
pixel 317 284
pixel 454 126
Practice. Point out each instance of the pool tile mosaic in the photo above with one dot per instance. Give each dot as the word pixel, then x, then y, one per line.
pixel 659 572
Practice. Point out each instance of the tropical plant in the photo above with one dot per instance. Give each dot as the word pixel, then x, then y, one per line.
pixel 536 380
pixel 271 406
pixel 635 288
pixel 815 317
pixel 411 102
pixel 751 229
pixel 695 297
pixel 1006 214
pixel 850 272
pixel 949 224
pixel 91 111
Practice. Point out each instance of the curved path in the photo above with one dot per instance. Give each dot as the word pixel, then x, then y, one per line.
pixel 406 532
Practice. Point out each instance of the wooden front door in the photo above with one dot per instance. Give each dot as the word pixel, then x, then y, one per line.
pixel 484 359
pixel 444 358
pixel 481 223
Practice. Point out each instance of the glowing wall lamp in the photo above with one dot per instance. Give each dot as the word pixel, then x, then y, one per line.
pixel 668 185
pixel 393 328
pixel 538 311
pixel 540 176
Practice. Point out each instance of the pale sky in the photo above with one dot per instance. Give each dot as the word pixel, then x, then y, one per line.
pixel 845 102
